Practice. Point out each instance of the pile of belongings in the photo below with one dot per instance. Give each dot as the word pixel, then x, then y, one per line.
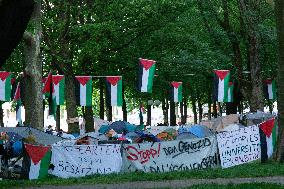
pixel 255 118
pixel 167 135
pixel 145 136
pixel 220 123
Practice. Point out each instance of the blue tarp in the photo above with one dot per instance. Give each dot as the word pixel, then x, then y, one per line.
pixel 199 131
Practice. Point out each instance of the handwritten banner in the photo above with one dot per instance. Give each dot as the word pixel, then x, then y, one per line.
pixel 83 160
pixel 179 155
pixel 238 147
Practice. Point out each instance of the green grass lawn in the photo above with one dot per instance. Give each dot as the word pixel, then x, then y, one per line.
pixel 238 186
pixel 255 169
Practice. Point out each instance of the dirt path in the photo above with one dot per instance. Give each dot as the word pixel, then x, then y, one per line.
pixel 170 183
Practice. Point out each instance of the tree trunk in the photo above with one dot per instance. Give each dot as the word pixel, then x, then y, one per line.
pixel 279 9
pixel 231 108
pixel 1 115
pixel 165 107
pixel 240 107
pixel 181 111
pixel 209 103
pixel 141 111
pixel 149 114
pixel 172 113
pixel 124 108
pixel 200 110
pixel 194 110
pixel 57 118
pixel 220 109
pixel 215 114
pixel 89 119
pixel 184 118
pixel 33 73
pixel 102 103
pixel 256 98
pixel 109 113
pixel 70 98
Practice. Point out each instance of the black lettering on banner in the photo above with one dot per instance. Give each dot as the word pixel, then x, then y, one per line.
pixel 170 150
pixel 83 163
pixel 207 162
pixel 187 147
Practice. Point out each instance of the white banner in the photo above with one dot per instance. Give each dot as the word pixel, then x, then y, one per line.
pixel 169 156
pixel 82 160
pixel 238 147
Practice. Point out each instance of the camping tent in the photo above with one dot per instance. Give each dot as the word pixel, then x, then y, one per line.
pixel 41 137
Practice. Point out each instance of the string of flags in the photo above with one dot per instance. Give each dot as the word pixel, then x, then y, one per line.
pixel 54 87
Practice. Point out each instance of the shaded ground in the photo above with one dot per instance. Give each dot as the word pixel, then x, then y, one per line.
pixel 171 183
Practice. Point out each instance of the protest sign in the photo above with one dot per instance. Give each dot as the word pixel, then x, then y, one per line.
pixel 238 147
pixel 179 155
pixel 82 160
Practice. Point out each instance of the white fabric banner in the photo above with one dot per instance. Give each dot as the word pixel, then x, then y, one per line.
pixel 239 147
pixel 169 156
pixel 83 160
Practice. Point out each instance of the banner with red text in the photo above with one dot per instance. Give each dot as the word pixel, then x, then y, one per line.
pixel 179 155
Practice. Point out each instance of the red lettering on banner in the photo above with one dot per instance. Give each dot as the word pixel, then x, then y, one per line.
pixel 142 156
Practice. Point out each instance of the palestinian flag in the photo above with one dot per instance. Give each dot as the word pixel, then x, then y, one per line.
pixel 37 161
pixel 268 134
pixel 59 87
pixel 270 89
pixel 5 86
pixel 47 87
pixel 176 91
pixel 114 90
pixel 230 92
pixel 146 75
pixel 17 99
pixel 84 90
pixel 221 84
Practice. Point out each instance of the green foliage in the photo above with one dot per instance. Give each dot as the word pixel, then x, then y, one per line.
pixel 106 37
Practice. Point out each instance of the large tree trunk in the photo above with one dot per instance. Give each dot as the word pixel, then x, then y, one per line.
pixel 33 73
pixel 89 126
pixel 102 102
pixel 279 8
pixel 256 98
pixel 70 98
